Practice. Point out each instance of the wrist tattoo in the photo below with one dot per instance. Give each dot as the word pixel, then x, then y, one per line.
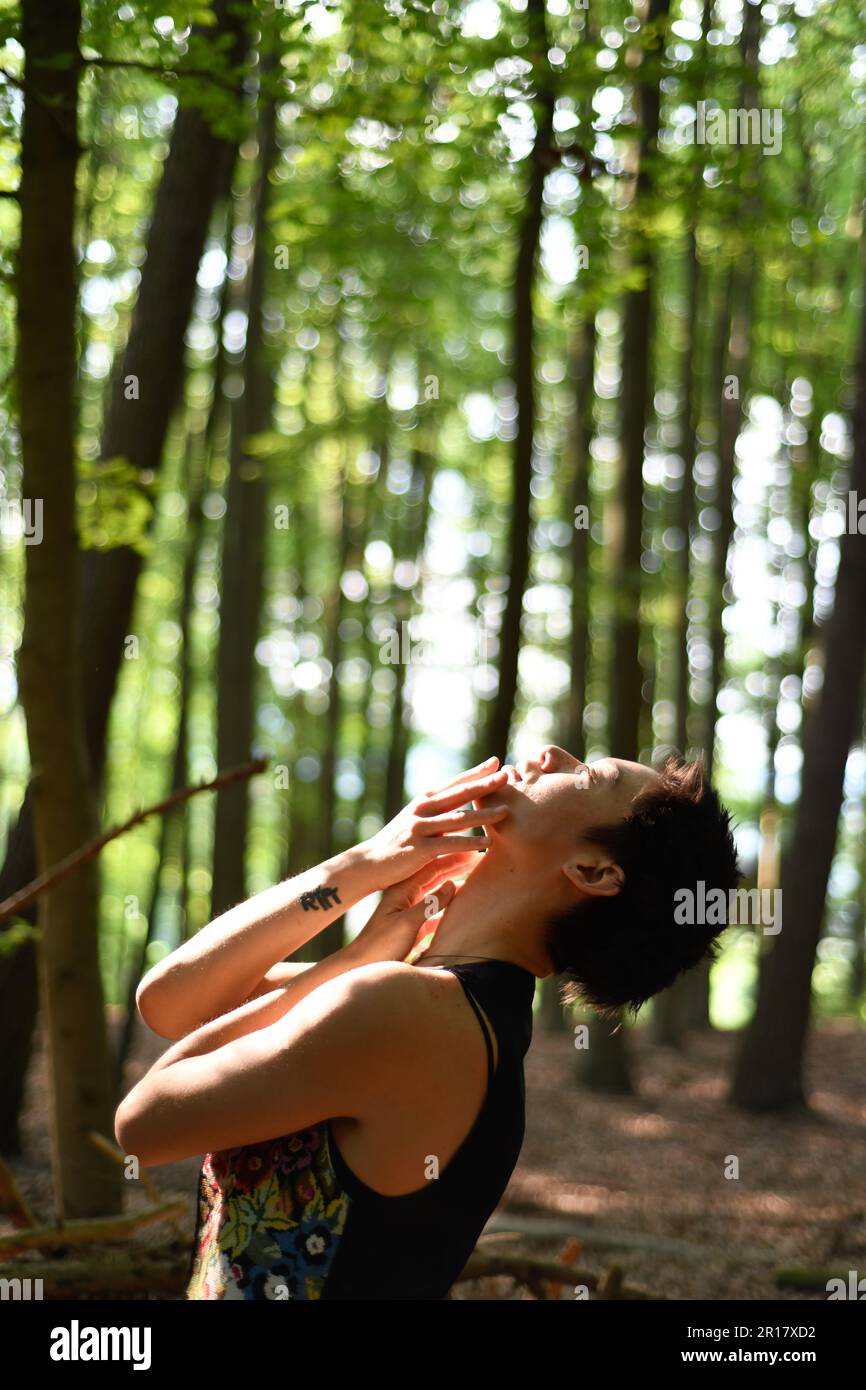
pixel 319 897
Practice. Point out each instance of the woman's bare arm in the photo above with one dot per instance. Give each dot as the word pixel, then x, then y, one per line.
pixel 226 962
pixel 281 989
pixel 350 1044
pixel 279 975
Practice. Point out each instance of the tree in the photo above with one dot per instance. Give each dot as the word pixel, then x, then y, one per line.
pixel 147 384
pixel 242 565
pixel 542 159
pixel 769 1068
pixel 64 806
pixel 604 1065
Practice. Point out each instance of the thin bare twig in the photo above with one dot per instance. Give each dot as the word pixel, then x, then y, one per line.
pixel 25 896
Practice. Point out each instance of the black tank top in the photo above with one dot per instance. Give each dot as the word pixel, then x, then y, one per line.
pixel 288 1219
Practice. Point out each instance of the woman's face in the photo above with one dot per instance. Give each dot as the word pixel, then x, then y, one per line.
pixel 554 798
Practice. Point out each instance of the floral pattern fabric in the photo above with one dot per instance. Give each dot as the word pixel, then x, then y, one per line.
pixel 270 1218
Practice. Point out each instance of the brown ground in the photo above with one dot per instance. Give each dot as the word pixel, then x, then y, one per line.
pixel 641 1182
pixel 654 1166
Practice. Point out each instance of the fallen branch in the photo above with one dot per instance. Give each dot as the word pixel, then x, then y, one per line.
pixel 90 1231
pixel 25 896
pixel 116 1154
pixel 108 1275
pixel 602 1237
pixel 530 1269
pixel 816 1279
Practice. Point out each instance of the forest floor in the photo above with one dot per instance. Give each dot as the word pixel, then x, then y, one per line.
pixel 640 1182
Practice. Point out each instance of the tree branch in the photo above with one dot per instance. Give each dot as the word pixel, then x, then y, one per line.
pixel 138 65
pixel 91 1230
pixel 536 1272
pixel 116 1154
pixel 25 896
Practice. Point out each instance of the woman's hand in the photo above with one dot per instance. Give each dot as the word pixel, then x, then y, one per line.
pixel 409 911
pixel 427 828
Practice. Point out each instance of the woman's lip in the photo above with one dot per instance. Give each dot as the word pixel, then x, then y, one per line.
pixel 514 777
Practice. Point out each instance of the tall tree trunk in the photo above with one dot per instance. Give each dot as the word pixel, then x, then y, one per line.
pixel 731 383
pixel 857 974
pixel 626 676
pixel 243 559
pixel 552 1016
pixel 696 985
pixel 542 159
pixel 195 174
pixel 769 1069
pixel 373 756
pixel 416 534
pixel 173 826
pixel 343 501
pixel 734 386
pixel 583 366
pixel 671 1009
pixel 302 830
pixel 686 499
pixel 64 805
pixel 353 511
pixel 351 518
pixel 730 418
pixel 604 1065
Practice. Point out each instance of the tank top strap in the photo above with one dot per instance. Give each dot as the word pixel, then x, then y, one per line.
pixel 484 1026
pixel 505 992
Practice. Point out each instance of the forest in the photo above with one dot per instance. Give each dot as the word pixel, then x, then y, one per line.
pixel 386 386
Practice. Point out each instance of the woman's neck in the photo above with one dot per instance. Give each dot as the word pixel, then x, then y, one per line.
pixel 492 917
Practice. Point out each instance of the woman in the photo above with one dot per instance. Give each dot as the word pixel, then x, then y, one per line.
pixel 363 1115
pixel 344 1062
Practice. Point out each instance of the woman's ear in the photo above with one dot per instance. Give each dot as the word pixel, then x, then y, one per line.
pixel 603 879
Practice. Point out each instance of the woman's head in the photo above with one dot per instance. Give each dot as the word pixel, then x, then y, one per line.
pixel 607 847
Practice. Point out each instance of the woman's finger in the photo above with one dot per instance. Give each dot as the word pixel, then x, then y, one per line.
pixel 400 896
pixel 407 889
pixel 446 866
pixel 434 903
pixel 455 863
pixel 452 861
pixel 468 791
pixel 455 820
pixel 476 843
pixel 489 764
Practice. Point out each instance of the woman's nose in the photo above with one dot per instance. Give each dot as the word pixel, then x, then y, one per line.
pixel 552 758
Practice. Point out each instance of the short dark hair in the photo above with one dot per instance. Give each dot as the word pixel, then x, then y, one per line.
pixel 619 951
